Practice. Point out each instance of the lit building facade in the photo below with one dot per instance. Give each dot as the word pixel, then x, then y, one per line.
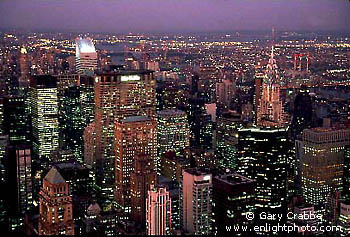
pixel 233 198
pixel 346 175
pixel 262 157
pixel 56 209
pixel 158 211
pixel 87 99
pixel 320 156
pixel 16 120
pixel 117 96
pixel 227 126
pixel 64 81
pixel 196 201
pixel 141 180
pixel 85 56
pixel 270 109
pixel 173 131
pixel 133 136
pixel 344 219
pixel 19 184
pixel 90 145
pixel 72 124
pixel 44 114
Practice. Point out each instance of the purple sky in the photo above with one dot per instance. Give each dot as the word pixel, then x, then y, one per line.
pixel 175 15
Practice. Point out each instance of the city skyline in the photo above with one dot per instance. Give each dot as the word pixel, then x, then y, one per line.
pixel 238 125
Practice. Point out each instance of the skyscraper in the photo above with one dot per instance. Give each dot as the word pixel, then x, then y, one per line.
pixel 1 116
pixel 20 184
pixel 87 99
pixel 302 114
pixel 24 68
pixel 200 124
pixel 270 110
pixel 134 135
pixel 16 120
pixel 320 156
pixel 44 114
pixel 262 157
pixel 173 131
pixel 141 180
pixel 227 127
pixel 64 81
pixel 56 211
pixel 346 175
pixel 196 201
pixel 85 56
pixel 344 218
pixel 234 197
pixel 72 124
pixel 158 211
pixel 117 95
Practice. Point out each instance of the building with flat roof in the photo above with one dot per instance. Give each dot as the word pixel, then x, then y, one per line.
pixel 196 202
pixel 234 197
pixel 320 157
pixel 85 56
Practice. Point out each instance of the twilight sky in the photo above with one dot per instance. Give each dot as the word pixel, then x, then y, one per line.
pixel 175 15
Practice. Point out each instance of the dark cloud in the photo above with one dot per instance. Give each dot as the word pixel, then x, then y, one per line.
pixel 175 15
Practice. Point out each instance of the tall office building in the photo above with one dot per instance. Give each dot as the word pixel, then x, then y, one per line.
pixel 19 184
pixel 196 201
pixel 87 99
pixel 44 114
pixel 320 156
pixel 3 185
pixel 262 157
pixel 200 122
pixel 227 126
pixel 173 188
pixel 1 116
pixel 133 136
pixel 90 145
pixel 24 68
pixel 16 120
pixel 85 56
pixel 117 95
pixel 72 124
pixel 302 114
pixel 141 180
pixel 270 110
pixel 80 183
pixel 158 211
pixel 64 81
pixel 56 210
pixel 346 175
pixel 233 198
pixel 173 131
pixel 344 218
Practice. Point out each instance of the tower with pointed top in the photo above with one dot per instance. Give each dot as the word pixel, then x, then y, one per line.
pixel 56 209
pixel 270 110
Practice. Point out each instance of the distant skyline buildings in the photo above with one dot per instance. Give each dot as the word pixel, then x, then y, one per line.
pixel 177 112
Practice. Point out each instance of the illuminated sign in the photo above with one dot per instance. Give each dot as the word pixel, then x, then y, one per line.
pixel 130 78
